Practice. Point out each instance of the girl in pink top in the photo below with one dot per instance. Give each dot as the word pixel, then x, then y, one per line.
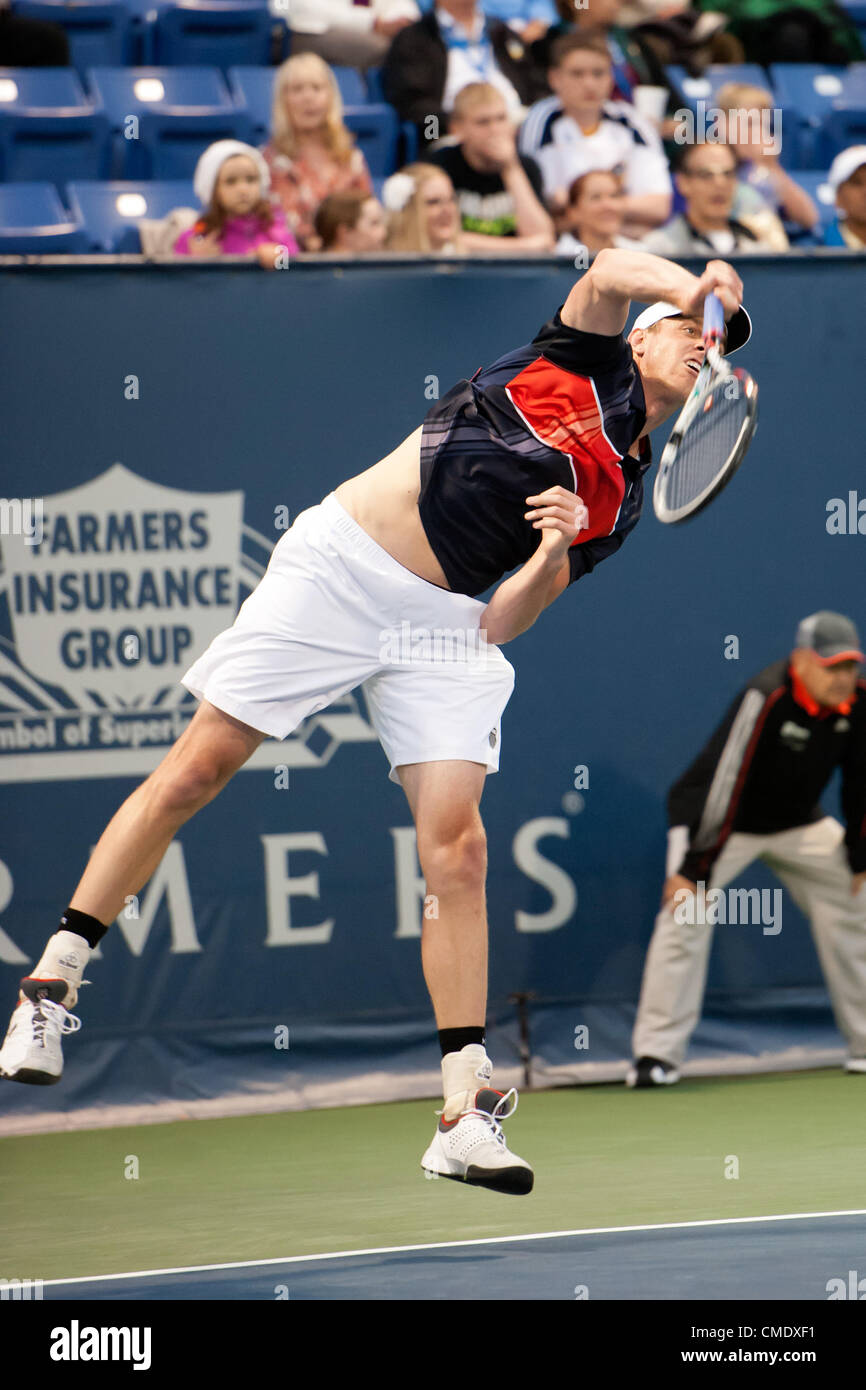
pixel 231 181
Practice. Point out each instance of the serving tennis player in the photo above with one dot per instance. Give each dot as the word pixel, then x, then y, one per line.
pixel 536 464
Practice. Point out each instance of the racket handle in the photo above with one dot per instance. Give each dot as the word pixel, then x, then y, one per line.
pixel 714 320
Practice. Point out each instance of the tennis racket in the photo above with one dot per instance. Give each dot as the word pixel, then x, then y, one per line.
pixel 714 430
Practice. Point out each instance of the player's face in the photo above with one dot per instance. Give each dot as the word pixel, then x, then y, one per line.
pixel 671 355
pixel 238 186
pixel 851 196
pixel 829 685
pixel 582 82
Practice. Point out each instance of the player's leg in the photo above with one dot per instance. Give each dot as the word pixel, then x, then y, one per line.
pixel 812 864
pixel 197 767
pixel 469 1144
pixel 675 973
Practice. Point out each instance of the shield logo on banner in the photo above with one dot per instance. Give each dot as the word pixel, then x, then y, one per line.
pixel 129 582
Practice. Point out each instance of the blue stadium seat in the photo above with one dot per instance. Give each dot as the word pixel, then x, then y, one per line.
pixel 816 185
pixel 353 88
pixel 99 31
pixel 216 33
pixel 252 88
pixel 704 88
pixel 49 130
pixel 856 11
pixel 377 130
pixel 33 221
pixel 408 147
pixel 805 92
pixel 845 123
pixel 179 112
pixel 110 212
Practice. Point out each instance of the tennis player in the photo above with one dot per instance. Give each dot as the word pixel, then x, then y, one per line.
pixel 752 793
pixel 536 464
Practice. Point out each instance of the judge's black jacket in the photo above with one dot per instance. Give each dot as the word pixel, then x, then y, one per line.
pixel 765 767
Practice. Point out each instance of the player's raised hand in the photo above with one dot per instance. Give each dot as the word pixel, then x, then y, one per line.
pixel 560 515
pixel 720 279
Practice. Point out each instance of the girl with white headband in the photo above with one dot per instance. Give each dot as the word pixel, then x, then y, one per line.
pixel 231 181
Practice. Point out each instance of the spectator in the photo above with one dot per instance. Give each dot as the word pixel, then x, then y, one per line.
pixel 423 211
pixel 351 223
pixel 350 33
pixel 310 153
pixel 31 43
pixel 231 182
pixel 847 178
pixel 706 177
pixel 634 60
pixel 531 19
pixel 453 45
pixel 790 31
pixel 499 192
pixel 763 183
pixel 593 218
pixel 579 128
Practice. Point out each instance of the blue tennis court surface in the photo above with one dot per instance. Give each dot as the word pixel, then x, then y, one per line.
pixel 793 1257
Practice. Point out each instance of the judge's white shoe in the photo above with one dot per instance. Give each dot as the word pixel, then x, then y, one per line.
pixel 472 1148
pixel 32 1051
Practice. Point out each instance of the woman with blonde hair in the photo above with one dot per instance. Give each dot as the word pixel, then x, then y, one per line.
pixel 423 212
pixel 310 153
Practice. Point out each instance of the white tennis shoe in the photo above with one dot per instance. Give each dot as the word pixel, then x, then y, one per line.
pixel 32 1050
pixel 472 1147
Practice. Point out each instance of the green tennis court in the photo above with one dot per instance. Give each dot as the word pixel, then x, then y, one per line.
pixel 317 1182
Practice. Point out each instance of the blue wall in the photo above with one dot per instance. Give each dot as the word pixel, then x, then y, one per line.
pixel 279 387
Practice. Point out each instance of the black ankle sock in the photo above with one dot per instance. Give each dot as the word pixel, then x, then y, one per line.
pixel 455 1039
pixel 83 925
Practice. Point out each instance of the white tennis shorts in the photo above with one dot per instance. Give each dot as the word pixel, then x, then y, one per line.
pixel 334 611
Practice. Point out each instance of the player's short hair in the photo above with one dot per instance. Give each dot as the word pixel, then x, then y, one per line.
pixel 473 96
pixel 584 41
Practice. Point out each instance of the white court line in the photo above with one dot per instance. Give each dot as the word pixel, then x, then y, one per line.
pixel 449 1245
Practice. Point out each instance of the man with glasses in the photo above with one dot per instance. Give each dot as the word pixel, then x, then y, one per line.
pixel 706 176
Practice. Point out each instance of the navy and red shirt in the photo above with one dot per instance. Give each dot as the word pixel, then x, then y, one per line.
pixel 765 767
pixel 565 409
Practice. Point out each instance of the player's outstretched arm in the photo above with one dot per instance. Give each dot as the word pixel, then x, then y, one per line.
pixel 599 302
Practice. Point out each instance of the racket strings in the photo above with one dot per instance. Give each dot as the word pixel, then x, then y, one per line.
pixel 706 447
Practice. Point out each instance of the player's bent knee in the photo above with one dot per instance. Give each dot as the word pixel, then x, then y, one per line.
pixel 186 786
pixel 458 862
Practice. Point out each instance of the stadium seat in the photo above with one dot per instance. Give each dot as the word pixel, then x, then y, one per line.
pixel 163 118
pixel 704 88
pixel 33 221
pixel 845 122
pixel 408 147
pixel 252 89
pixel 377 130
pixel 99 31
pixel 856 11
pixel 216 33
pixel 815 184
pixel 49 129
pixel 353 88
pixel 805 92
pixel 109 212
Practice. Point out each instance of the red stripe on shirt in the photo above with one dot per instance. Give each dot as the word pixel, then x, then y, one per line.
pixel 562 410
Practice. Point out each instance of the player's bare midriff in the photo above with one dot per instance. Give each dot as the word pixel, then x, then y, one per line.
pixel 384 502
